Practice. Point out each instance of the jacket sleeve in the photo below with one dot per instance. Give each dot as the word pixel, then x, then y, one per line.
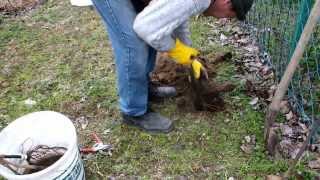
pixel 157 23
pixel 183 33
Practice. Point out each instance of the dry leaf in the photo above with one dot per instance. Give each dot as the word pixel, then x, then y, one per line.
pixel 248 139
pixel 286 130
pixel 223 37
pixel 247 148
pixel 273 177
pixel 83 122
pixel 315 164
pixel 289 116
pixel 304 128
pixel 237 30
pixel 243 41
pixel 227 120
pixel 251 48
pixel 107 131
pixel 254 101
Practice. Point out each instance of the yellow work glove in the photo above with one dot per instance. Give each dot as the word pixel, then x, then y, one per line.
pixel 196 68
pixel 184 55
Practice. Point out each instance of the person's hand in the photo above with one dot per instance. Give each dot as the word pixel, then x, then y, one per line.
pixel 186 55
pixel 182 53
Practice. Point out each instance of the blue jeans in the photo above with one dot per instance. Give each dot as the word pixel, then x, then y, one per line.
pixel 134 58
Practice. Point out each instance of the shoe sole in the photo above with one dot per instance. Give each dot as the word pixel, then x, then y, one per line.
pixel 156 131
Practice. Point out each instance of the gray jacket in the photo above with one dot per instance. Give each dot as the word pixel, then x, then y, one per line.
pixel 164 20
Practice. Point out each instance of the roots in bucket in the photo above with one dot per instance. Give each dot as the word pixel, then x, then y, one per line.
pixel 202 95
pixel 37 159
pixel 43 156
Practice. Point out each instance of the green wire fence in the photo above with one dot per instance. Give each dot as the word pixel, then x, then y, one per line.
pixel 278 25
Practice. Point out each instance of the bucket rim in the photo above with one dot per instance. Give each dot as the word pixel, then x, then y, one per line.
pixel 70 149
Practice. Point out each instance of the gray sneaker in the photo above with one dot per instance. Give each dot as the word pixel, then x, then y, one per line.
pixel 151 121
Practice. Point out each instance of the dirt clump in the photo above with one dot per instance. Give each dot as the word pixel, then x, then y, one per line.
pixel 203 94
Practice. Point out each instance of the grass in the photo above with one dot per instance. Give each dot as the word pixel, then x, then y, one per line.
pixel 59 56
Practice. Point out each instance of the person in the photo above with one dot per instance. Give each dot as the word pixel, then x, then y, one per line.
pixel 138 29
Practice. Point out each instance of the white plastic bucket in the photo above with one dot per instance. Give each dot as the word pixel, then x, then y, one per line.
pixel 43 128
pixel 81 2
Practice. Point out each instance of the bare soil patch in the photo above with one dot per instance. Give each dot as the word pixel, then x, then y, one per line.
pixel 203 94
